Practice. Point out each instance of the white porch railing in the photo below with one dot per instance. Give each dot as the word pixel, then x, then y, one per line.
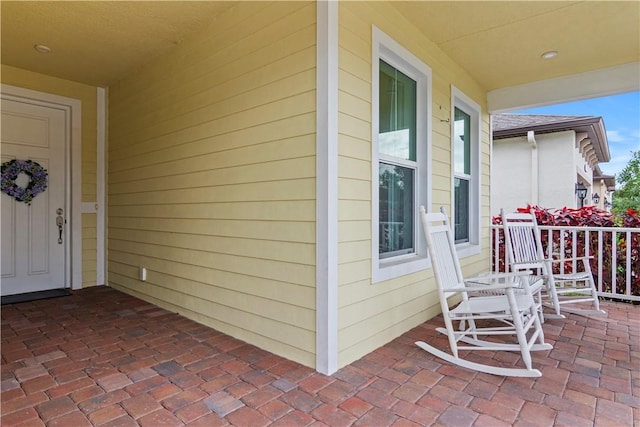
pixel 615 250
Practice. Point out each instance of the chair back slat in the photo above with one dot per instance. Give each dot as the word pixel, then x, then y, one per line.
pixel 442 252
pixel 523 247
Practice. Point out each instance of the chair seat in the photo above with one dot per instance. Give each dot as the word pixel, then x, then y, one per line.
pixel 492 304
pixel 572 276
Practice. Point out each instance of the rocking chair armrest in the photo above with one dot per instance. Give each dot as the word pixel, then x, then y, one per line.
pixel 499 275
pixel 485 288
pixel 531 261
pixel 577 258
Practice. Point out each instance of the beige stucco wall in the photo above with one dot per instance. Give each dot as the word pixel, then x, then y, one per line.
pixel 372 314
pixel 212 178
pixel 518 182
pixel 88 97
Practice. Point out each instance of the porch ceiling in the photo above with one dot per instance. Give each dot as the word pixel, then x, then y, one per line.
pixel 499 43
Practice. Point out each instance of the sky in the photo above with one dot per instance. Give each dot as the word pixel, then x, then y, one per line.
pixel 621 115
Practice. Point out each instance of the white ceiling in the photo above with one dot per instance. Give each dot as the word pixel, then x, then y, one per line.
pixel 500 43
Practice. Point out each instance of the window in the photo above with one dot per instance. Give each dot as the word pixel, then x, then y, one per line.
pixel 461 173
pixel 465 160
pixel 400 123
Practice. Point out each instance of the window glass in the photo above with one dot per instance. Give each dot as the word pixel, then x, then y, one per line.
pixel 461 220
pixel 397 116
pixel 462 142
pixel 396 210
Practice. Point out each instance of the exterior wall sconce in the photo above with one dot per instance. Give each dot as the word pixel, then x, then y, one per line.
pixel 581 192
pixel 595 198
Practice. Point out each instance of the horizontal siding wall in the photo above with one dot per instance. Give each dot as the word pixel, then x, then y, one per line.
pixel 371 315
pixel 212 178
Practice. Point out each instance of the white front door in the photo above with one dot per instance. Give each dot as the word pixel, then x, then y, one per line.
pixel 33 246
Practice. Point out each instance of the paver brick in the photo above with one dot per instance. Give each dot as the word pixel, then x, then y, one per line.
pixel 275 409
pixel 160 418
pixel 75 419
pixel 261 396
pixel 140 405
pixel 295 418
pixel 246 416
pixel 356 406
pixel 300 400
pixel 70 387
pixel 18 417
pixel 192 412
pixel 55 408
pixel 86 393
pixel 223 403
pixel 211 420
pixel 377 417
pixel 106 414
pixel 457 416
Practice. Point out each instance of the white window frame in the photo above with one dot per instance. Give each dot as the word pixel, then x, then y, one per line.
pixel 463 102
pixel 390 51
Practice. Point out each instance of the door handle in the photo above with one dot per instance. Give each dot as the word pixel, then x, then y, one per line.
pixel 60 224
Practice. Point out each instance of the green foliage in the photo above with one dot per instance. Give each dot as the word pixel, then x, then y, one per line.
pixel 628 195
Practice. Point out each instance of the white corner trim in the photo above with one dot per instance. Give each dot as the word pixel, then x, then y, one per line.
pixel 327 188
pixel 73 107
pixel 101 201
pixel 606 81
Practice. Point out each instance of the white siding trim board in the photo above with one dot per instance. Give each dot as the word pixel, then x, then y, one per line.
pixel 327 189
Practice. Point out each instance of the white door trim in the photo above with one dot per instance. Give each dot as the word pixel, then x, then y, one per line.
pixel 73 173
pixel 101 179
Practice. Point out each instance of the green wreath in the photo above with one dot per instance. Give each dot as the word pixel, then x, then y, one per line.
pixel 37 179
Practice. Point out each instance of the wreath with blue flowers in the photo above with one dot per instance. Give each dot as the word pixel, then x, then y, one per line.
pixel 37 179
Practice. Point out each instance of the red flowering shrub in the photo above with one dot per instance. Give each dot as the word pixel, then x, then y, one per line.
pixel 599 245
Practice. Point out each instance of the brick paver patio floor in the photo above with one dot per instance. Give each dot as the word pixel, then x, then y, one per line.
pixel 100 357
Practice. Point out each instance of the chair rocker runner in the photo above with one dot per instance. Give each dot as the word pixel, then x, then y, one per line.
pixel 523 247
pixel 507 300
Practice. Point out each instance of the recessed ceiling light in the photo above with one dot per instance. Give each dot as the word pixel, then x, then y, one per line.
pixel 550 54
pixel 42 48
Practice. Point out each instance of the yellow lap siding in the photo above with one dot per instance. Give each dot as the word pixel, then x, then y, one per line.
pixel 302 189
pixel 288 293
pixel 300 253
pixel 268 210
pixel 130 181
pixel 212 178
pixel 303 232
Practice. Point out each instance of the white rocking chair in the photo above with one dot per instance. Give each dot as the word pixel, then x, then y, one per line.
pixel 505 298
pixel 523 246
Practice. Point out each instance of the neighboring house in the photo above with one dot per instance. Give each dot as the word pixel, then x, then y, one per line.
pixel 547 160
pixel 603 190
pixel 263 174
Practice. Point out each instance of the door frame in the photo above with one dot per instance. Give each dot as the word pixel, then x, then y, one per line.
pixel 73 171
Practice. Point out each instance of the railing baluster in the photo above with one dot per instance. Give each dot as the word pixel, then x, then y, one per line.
pixel 628 270
pixel 600 261
pixel 614 261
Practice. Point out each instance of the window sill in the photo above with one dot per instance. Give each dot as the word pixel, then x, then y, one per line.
pixel 392 268
pixel 465 250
